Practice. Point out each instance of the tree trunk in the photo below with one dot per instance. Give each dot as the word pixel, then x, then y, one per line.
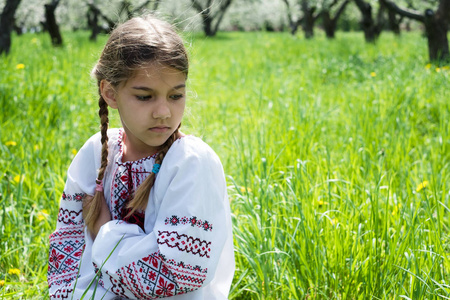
pixel 329 23
pixel 308 19
pixel 207 25
pixel 92 16
pixel 436 29
pixel 394 24
pixel 371 29
pixel 52 26
pixel 208 17
pixel 6 24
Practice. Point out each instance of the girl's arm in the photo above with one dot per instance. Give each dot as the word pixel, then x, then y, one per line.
pixel 192 225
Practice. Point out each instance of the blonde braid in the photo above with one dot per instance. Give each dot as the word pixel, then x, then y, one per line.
pixel 96 203
pixel 140 199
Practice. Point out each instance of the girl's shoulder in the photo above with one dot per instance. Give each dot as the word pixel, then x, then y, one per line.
pixel 191 146
pixel 191 152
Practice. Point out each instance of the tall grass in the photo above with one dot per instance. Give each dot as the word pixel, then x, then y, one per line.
pixel 327 146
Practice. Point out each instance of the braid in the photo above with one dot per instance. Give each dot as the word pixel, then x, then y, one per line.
pixel 140 200
pixel 96 202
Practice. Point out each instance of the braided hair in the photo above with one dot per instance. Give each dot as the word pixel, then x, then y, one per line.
pixel 132 46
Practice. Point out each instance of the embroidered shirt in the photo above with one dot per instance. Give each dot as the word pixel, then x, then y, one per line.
pixel 173 249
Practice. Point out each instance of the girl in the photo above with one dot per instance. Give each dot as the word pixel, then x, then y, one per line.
pixel 144 213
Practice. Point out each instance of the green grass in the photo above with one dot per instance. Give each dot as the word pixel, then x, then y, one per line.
pixel 324 144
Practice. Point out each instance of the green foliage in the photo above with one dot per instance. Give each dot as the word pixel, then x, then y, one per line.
pixel 327 146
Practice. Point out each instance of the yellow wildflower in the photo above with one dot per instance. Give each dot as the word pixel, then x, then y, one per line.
pixel 438 70
pixel 14 271
pixel 334 222
pixel 20 66
pixel 445 68
pixel 428 66
pixel 42 215
pixel 2 283
pixel 320 203
pixel 36 147
pixel 11 143
pixel 422 185
pixel 396 209
pixel 74 151
pixel 34 40
pixel 244 189
pixel 373 74
pixel 17 178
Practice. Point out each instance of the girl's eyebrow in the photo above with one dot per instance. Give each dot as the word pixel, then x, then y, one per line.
pixel 147 89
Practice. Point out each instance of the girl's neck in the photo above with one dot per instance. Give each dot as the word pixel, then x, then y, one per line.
pixel 130 153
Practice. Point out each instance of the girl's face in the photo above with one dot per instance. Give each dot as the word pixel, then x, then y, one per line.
pixel 151 105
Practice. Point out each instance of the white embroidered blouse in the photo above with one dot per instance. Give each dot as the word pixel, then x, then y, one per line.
pixel 183 251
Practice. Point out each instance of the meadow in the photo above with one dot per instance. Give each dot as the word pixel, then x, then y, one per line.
pixel 337 156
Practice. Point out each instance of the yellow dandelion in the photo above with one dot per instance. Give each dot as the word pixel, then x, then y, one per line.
pixel 320 203
pixel 2 283
pixel 17 178
pixel 74 151
pixel 438 70
pixel 34 40
pixel 20 66
pixel 243 189
pixel 42 215
pixel 396 209
pixel 11 143
pixel 36 147
pixel 373 74
pixel 421 186
pixel 14 271
pixel 428 66
pixel 334 221
pixel 445 68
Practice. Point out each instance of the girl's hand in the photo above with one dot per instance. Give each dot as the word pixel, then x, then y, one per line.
pixel 103 218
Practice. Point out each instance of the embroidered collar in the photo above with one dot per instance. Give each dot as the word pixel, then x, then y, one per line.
pixel 119 161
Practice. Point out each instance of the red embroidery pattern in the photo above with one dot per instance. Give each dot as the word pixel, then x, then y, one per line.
pixel 66 248
pixel 193 221
pixel 77 197
pixel 70 217
pixel 126 179
pixel 184 243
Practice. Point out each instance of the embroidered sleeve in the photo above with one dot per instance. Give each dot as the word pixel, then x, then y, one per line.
pixel 180 255
pixel 67 241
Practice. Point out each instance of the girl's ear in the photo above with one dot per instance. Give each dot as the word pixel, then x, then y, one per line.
pixel 108 93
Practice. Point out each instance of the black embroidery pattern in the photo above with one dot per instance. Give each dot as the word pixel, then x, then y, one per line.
pixel 184 242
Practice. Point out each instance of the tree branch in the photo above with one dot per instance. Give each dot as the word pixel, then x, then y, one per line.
pixel 412 14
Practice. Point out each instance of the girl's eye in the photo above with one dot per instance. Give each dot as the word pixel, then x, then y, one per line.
pixel 144 98
pixel 176 96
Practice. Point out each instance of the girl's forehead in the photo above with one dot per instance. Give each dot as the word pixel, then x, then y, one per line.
pixel 156 74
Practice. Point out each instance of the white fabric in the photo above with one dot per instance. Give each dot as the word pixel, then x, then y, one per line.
pixel 187 226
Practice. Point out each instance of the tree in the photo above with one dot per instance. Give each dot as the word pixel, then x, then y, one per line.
pixel 310 16
pixel 52 25
pixel 211 12
pixel 371 27
pixel 436 26
pixel 329 22
pixel 126 8
pixel 6 24
pixel 293 23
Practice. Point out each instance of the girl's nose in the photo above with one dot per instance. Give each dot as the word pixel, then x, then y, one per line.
pixel 162 110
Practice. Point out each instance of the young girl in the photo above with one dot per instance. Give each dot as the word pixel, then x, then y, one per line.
pixel 144 213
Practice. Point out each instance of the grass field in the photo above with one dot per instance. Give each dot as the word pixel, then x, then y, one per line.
pixel 337 155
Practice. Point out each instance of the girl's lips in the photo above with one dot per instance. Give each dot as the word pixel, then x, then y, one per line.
pixel 161 129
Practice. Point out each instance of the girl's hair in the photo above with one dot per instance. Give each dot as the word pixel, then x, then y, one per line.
pixel 133 45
